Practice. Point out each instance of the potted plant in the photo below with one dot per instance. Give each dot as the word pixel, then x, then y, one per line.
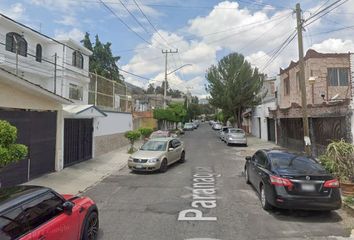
pixel 132 136
pixel 10 151
pixel 339 160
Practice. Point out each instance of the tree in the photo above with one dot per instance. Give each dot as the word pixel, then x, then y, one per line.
pixel 174 113
pixel 132 136
pixel 102 60
pixel 150 89
pixel 10 151
pixel 234 85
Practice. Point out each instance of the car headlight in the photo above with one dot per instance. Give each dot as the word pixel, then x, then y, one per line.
pixel 153 160
pixel 130 159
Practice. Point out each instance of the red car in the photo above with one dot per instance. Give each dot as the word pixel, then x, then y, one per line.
pixel 38 213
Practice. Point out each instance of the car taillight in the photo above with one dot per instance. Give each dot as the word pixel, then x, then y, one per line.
pixel 278 181
pixel 334 183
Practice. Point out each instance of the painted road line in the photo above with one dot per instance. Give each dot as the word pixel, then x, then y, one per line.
pixel 203 195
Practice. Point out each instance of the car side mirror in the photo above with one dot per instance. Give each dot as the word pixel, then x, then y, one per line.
pixel 171 149
pixel 68 207
pixel 248 158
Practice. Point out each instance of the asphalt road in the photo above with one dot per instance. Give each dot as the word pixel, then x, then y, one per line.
pixel 147 206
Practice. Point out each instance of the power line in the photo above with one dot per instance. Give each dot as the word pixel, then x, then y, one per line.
pixel 133 16
pixel 123 22
pixel 324 13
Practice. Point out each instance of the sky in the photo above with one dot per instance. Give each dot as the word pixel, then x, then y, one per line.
pixel 203 31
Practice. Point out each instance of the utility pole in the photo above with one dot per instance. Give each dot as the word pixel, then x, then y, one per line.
pixel 305 122
pixel 165 87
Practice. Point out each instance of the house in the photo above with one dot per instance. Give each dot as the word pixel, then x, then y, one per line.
pixel 44 92
pixel 329 90
pixel 262 125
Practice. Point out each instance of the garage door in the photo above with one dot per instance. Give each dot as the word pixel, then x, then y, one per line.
pixel 77 140
pixel 37 130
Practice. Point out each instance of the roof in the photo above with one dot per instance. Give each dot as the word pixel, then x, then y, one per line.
pixel 83 111
pixel 75 44
pixel 30 85
pixel 314 54
pixel 165 139
pixel 12 196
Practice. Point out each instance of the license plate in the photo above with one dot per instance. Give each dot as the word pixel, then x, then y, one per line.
pixel 139 166
pixel 308 187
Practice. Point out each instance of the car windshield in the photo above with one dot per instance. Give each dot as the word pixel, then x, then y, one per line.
pixel 154 146
pixel 294 162
pixel 236 131
pixel 188 125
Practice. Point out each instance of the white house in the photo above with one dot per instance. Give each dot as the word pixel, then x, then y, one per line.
pixel 262 125
pixel 44 92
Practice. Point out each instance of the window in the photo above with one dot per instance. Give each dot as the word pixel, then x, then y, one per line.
pixel 294 162
pixel 42 209
pixel 78 59
pixel 286 86
pixel 12 224
pixel 338 76
pixel 176 143
pixel 39 53
pixel 13 39
pixel 261 159
pixel 75 92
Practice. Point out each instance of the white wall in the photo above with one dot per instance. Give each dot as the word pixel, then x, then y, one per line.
pixel 262 112
pixel 112 124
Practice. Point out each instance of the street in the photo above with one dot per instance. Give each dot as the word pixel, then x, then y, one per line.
pixel 147 206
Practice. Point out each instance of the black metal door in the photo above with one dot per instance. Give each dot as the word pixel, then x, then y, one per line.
pixel 36 130
pixel 77 140
pixel 271 129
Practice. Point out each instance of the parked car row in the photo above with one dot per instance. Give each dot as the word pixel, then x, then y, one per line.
pixel 190 126
pixel 232 135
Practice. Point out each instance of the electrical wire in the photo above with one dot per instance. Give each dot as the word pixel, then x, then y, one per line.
pixel 123 22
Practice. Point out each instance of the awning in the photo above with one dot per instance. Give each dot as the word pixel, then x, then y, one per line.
pixel 82 111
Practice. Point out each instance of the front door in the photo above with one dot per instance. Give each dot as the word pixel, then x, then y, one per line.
pixel 78 135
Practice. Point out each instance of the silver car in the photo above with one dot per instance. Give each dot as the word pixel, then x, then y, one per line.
pixel 217 126
pixel 235 136
pixel 223 132
pixel 157 154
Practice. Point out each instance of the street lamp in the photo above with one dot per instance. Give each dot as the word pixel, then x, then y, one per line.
pixel 165 87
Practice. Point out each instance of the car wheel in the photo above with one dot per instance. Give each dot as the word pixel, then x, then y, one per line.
pixel 163 166
pixel 91 227
pixel 264 202
pixel 246 176
pixel 228 144
pixel 183 157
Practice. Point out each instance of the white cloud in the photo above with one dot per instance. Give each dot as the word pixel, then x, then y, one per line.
pixel 334 46
pixel 75 34
pixel 15 11
pixel 68 21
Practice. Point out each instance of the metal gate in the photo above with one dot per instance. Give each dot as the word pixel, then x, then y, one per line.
pixel 37 130
pixel 77 140
pixel 271 129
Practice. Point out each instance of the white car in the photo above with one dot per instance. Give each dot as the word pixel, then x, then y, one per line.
pixel 217 126
pixel 235 136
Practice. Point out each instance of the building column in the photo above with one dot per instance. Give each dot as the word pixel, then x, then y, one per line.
pixel 59 149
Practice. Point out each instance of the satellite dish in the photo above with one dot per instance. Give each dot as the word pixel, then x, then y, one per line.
pixel 335 97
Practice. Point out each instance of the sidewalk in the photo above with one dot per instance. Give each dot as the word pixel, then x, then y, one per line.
pixel 254 144
pixel 77 178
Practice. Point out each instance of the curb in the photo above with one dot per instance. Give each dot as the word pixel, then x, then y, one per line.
pixel 348 208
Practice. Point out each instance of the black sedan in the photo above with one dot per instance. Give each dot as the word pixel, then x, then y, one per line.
pixel 291 181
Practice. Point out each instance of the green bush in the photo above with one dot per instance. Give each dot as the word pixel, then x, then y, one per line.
pixel 339 160
pixel 9 150
pixel 349 200
pixel 145 132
